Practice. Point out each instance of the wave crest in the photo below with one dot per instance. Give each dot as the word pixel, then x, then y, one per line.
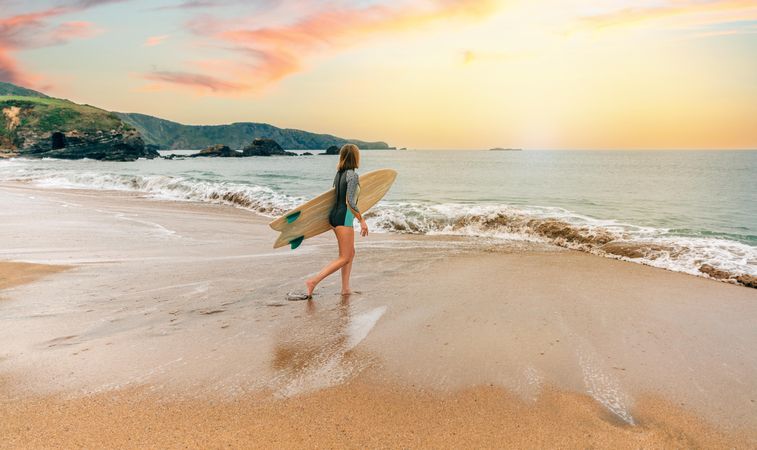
pixel 259 199
pixel 735 262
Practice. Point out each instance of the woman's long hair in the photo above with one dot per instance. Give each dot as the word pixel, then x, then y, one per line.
pixel 349 157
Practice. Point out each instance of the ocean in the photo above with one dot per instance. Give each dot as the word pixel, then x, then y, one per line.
pixel 677 210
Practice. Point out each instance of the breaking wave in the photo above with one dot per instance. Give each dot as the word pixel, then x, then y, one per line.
pixel 259 199
pixel 717 258
pixel 713 257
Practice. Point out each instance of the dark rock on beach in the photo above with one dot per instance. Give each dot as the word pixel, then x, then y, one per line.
pixel 217 151
pixel 265 147
pixel 307 154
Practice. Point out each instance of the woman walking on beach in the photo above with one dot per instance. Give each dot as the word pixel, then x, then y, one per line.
pixel 341 218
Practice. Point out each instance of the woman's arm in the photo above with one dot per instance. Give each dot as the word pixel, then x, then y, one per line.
pixel 353 191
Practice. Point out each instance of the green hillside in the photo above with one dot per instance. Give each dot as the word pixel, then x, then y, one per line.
pixel 12 89
pixel 173 135
pixel 24 115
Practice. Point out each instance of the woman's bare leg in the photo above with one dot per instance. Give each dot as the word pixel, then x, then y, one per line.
pixel 346 269
pixel 345 237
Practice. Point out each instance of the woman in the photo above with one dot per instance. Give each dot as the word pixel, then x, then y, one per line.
pixel 341 218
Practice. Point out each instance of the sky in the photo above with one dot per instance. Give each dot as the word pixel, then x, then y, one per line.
pixel 534 74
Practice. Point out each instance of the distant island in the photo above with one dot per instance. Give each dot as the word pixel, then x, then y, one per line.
pixel 500 149
pixel 35 125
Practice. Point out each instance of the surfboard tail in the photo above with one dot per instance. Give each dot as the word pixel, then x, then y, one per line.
pixel 294 243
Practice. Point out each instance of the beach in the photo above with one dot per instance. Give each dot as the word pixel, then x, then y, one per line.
pixel 148 322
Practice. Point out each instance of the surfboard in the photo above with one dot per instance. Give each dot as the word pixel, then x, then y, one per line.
pixel 312 218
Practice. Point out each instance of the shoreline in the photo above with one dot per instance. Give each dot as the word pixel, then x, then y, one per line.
pixel 175 319
pixel 660 252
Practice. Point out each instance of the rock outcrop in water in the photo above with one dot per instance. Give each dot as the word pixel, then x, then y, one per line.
pixel 218 151
pixel 333 150
pixel 265 147
pixel 258 147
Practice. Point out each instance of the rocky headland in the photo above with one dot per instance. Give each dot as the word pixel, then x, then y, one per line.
pixel 35 126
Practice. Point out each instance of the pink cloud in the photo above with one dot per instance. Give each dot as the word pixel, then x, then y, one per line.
pixel 192 80
pixel 33 30
pixel 153 41
pixel 269 54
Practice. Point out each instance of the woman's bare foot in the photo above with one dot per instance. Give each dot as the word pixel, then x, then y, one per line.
pixel 310 283
pixel 346 292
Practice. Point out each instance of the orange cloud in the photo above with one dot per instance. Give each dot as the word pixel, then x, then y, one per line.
pixel 272 53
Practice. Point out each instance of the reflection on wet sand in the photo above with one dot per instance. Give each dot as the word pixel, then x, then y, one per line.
pixel 318 354
pixel 17 273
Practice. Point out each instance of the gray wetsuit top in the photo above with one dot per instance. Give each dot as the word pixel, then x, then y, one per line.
pixel 347 186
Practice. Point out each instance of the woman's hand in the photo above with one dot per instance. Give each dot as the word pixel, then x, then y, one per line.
pixel 363 228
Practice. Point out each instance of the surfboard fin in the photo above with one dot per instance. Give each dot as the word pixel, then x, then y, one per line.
pixel 294 216
pixel 296 242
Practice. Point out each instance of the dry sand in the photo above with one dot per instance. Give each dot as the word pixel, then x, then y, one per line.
pixel 361 414
pixel 171 330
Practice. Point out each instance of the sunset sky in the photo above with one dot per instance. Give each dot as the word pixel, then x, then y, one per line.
pixel 560 74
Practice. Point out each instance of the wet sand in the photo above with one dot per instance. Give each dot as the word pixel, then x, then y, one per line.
pixel 172 330
pixel 16 273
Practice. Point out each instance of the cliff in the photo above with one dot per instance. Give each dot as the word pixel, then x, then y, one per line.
pixel 37 126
